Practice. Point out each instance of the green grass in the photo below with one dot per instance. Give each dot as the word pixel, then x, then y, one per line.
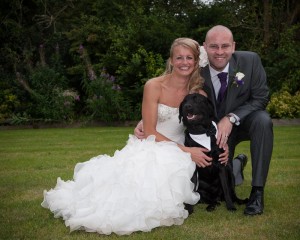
pixel 32 159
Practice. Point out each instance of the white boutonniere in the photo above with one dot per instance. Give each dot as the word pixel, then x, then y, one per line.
pixel 238 79
pixel 203 59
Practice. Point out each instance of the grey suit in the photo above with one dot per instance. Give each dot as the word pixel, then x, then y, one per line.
pixel 248 102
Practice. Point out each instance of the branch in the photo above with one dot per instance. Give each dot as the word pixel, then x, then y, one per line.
pixel 24 83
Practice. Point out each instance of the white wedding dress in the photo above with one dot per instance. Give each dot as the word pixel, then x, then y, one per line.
pixel 141 187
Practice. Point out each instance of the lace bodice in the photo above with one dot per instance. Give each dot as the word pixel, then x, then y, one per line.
pixel 168 123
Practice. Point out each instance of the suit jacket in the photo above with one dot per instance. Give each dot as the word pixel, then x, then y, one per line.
pixel 244 99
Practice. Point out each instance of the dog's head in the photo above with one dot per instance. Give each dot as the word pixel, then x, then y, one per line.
pixel 196 112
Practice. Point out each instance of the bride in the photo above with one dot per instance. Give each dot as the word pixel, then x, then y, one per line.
pixel 147 183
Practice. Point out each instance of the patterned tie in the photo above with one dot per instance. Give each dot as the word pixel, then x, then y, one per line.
pixel 223 79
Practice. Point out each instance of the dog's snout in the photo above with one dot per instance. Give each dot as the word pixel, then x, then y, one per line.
pixel 188 106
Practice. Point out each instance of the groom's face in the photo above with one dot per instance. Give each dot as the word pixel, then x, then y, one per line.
pixel 219 46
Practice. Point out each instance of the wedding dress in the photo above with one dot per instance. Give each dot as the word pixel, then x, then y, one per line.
pixel 141 187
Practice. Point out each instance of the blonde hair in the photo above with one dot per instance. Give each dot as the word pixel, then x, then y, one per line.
pixel 196 81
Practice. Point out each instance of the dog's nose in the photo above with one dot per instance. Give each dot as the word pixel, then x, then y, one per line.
pixel 188 106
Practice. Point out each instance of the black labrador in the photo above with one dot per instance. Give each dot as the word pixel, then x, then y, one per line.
pixel 215 183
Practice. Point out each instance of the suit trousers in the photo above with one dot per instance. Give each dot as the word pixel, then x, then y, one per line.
pixel 258 128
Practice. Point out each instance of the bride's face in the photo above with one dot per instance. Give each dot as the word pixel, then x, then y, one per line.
pixel 183 61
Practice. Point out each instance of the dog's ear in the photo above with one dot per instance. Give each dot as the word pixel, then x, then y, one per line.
pixel 210 108
pixel 180 111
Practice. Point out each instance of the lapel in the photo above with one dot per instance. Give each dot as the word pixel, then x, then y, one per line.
pixel 209 88
pixel 232 91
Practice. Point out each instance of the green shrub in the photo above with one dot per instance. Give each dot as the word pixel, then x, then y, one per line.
pixel 50 97
pixel 8 103
pixel 105 98
pixel 105 101
pixel 284 105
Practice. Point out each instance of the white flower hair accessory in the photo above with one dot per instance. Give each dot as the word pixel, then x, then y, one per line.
pixel 203 59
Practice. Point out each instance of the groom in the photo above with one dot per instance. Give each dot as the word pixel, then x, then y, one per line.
pixel 236 83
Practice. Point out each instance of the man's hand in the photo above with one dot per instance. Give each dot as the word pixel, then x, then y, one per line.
pixel 139 131
pixel 223 157
pixel 224 130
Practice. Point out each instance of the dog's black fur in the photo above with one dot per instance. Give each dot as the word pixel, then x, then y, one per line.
pixel 215 182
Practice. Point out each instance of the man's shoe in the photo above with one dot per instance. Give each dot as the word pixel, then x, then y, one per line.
pixel 238 168
pixel 255 205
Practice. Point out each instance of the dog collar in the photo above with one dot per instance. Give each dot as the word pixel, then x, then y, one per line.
pixel 203 139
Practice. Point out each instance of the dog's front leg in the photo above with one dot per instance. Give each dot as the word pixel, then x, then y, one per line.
pixel 226 188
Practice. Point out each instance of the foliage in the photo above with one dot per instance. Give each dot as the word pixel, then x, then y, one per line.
pixel 105 100
pixel 8 103
pixel 283 65
pixel 131 39
pixel 141 67
pixel 284 105
pixel 50 98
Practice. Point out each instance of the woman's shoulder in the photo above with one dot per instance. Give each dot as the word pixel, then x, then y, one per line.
pixel 155 82
pixel 202 92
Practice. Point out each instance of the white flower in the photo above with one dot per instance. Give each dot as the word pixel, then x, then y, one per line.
pixel 237 80
pixel 203 59
pixel 239 76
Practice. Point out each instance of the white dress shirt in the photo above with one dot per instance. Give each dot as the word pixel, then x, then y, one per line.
pixel 215 79
pixel 217 84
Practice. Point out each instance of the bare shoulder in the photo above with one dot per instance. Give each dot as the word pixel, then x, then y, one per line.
pixel 154 83
pixel 202 92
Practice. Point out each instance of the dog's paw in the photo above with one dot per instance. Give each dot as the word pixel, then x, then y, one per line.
pixel 189 208
pixel 242 201
pixel 212 207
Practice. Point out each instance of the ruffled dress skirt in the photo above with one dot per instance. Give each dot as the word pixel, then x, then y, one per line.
pixel 141 187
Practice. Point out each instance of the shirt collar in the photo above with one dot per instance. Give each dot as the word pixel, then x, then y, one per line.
pixel 214 73
pixel 203 139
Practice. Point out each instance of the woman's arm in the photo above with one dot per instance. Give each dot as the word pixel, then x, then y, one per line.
pixel 151 95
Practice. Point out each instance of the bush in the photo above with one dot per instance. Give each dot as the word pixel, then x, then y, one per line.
pixel 8 103
pixel 51 99
pixel 105 101
pixel 284 105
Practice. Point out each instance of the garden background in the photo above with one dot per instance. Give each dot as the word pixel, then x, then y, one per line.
pixel 70 61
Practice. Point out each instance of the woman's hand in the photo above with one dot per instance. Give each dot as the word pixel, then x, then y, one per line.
pixel 201 159
pixel 139 131
pixel 198 156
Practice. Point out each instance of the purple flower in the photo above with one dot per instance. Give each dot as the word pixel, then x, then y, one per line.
pixel 81 48
pixel 238 79
pixel 112 78
pixel 77 98
pixel 116 87
pixel 238 82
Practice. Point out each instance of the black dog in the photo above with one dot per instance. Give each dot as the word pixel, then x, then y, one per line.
pixel 216 182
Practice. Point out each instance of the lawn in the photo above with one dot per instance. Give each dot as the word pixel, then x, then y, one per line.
pixel 32 159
